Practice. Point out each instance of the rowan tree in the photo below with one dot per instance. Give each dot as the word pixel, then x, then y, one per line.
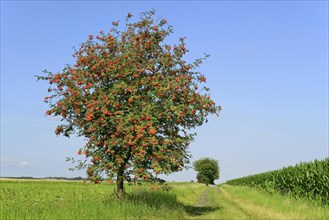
pixel 208 170
pixel 133 98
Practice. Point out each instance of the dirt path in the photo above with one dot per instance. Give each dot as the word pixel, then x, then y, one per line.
pixel 218 203
pixel 203 198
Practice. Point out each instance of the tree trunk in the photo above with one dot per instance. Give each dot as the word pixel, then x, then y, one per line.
pixel 120 189
pixel 120 179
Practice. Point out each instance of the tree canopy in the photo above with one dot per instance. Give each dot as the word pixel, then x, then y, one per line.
pixel 208 170
pixel 134 99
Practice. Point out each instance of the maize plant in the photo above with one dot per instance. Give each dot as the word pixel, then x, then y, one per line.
pixel 308 180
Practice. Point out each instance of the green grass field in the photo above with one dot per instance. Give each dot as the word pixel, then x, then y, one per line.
pixel 21 199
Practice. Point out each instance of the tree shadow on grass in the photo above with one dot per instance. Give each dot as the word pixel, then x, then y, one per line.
pixel 199 210
pixel 165 200
pixel 154 199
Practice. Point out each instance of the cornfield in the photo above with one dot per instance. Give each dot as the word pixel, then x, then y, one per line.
pixel 308 180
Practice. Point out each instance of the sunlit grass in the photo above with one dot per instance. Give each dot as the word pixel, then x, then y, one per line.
pixel 188 193
pixel 276 206
pixel 75 200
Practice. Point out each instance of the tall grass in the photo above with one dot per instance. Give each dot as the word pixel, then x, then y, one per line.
pixel 74 200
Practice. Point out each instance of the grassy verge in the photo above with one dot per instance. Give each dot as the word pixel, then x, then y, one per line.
pixel 263 205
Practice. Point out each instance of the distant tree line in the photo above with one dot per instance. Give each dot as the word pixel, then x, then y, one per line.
pixel 55 178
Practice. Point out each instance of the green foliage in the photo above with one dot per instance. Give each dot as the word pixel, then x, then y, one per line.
pixel 308 180
pixel 208 170
pixel 133 98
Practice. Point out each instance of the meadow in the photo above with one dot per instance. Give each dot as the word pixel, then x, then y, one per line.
pixel 27 199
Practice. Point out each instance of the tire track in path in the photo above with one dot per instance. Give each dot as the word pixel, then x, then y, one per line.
pixel 203 198
pixel 213 205
pixel 233 208
pixel 254 211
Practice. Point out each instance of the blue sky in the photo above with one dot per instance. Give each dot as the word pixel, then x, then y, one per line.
pixel 268 70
